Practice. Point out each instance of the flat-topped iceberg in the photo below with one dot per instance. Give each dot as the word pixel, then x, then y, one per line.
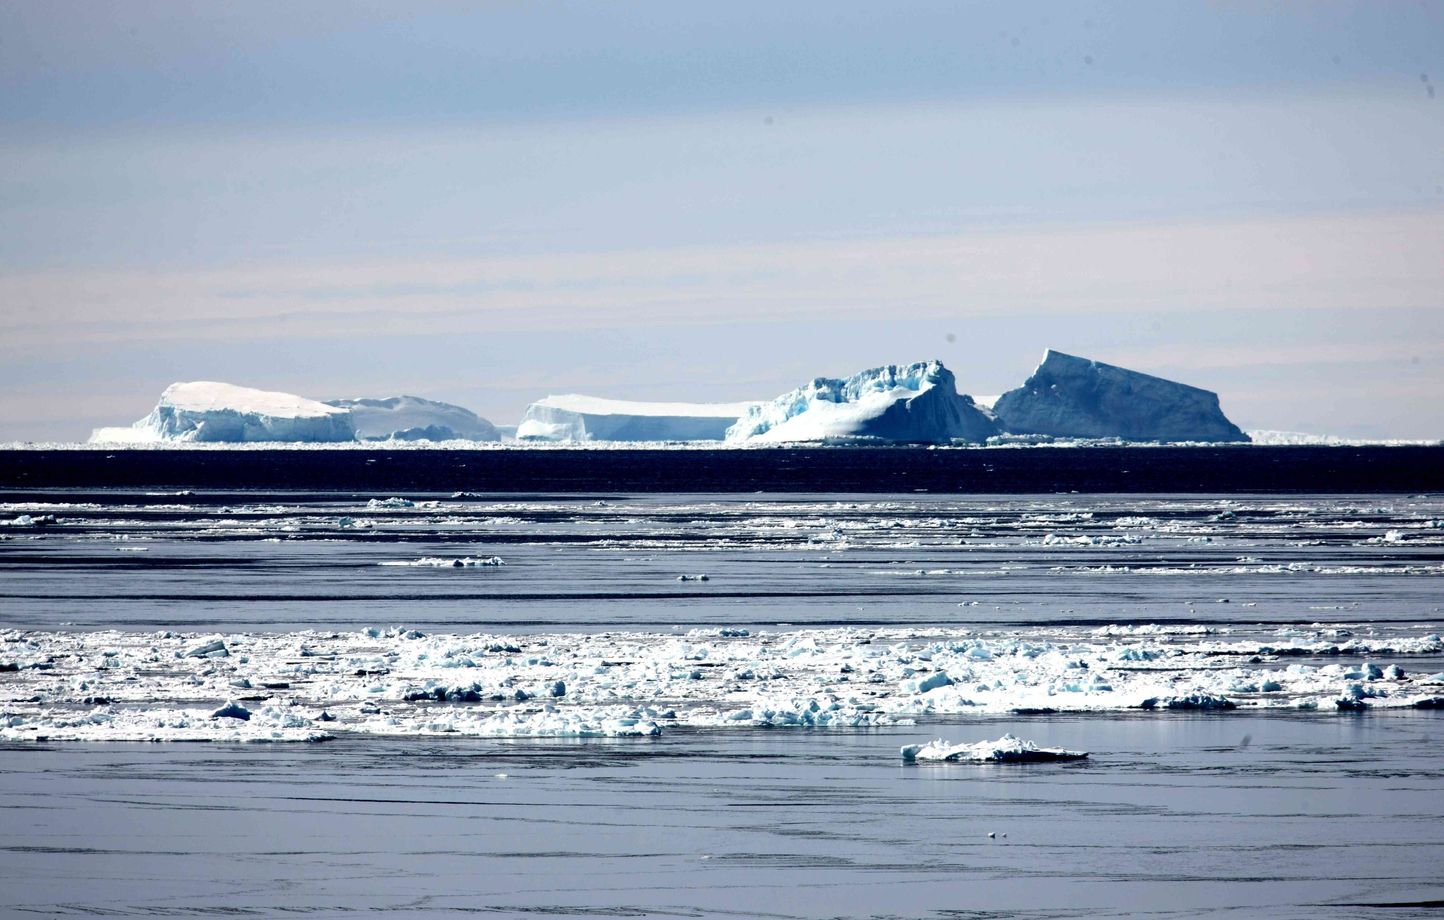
pixel 206 411
pixel 1074 397
pixel 412 418
pixel 913 403
pixel 575 417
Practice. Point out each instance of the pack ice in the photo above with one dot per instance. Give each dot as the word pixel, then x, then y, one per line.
pixel 206 411
pixel 412 418
pixel 913 403
pixel 575 417
pixel 112 685
pixel 1069 396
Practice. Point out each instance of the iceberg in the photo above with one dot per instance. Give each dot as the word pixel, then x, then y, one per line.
pixel 1074 397
pixel 206 411
pixel 575 417
pixel 913 403
pixel 412 418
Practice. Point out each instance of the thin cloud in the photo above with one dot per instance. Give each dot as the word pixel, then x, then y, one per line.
pixel 1361 261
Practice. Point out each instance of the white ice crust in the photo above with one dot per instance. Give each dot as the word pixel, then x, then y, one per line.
pixel 905 403
pixel 574 417
pixel 298 686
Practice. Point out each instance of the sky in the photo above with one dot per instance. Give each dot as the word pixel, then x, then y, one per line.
pixel 487 203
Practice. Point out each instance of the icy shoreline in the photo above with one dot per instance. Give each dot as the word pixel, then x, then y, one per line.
pixel 310 685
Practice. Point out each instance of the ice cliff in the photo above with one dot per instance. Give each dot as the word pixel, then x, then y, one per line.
pixel 914 403
pixel 411 418
pixel 1069 396
pixel 205 411
pixel 589 418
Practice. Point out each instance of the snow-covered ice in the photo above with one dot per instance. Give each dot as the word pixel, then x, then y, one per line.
pixel 412 418
pixel 1007 749
pixel 210 412
pixel 448 562
pixel 128 685
pixel 575 417
pixel 914 403
pixel 1074 397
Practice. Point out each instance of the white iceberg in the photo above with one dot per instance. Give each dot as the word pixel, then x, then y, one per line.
pixel 1007 749
pixel 575 417
pixel 1074 397
pixel 914 403
pixel 206 411
pixel 412 418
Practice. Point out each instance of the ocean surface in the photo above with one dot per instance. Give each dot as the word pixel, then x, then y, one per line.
pixel 1316 617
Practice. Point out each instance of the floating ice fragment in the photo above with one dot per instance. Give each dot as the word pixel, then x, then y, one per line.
pixel 1007 749
pixel 934 681
pixel 1191 701
pixel 440 562
pixel 232 710
pixel 393 502
pixel 216 649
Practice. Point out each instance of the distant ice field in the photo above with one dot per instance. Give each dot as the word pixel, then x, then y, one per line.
pixel 273 562
pixel 143 616
pixel 696 705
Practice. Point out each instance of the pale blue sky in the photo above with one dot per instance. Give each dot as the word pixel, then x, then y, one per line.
pixel 490 202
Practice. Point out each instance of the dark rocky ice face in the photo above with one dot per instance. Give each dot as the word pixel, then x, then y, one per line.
pixel 1073 397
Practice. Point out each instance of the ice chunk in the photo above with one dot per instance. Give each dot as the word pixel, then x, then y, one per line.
pixel 395 501
pixel 1069 396
pixel 1007 749
pixel 914 403
pixel 232 710
pixel 441 562
pixel 934 681
pixel 412 418
pixel 1191 701
pixel 588 418
pixel 216 649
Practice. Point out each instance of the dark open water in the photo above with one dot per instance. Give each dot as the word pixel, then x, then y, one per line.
pixel 1249 813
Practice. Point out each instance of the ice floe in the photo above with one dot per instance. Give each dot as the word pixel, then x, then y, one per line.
pixel 444 562
pixel 1007 749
